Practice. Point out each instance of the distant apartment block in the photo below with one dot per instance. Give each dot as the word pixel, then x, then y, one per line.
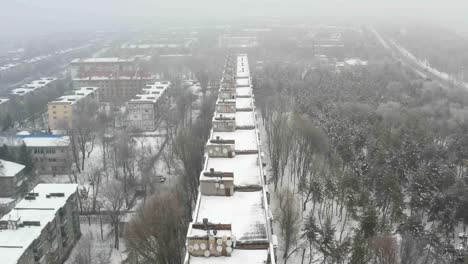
pixel 61 111
pixel 237 42
pixel 145 108
pixel 41 228
pixel 32 89
pixel 12 179
pixel 119 79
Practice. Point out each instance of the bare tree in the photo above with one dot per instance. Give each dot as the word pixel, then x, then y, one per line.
pixel 87 253
pixel 190 152
pixel 157 233
pixel 113 201
pixel 84 128
pixel 288 218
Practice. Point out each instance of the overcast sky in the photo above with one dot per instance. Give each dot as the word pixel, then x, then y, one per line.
pixel 32 15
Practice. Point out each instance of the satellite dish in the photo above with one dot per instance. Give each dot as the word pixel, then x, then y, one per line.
pixel 229 249
pixel 202 246
pixel 219 248
pixel 196 247
pixel 206 253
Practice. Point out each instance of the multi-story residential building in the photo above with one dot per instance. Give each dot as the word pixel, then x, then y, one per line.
pixel 33 88
pixel 119 79
pixel 62 110
pixel 41 228
pixel 12 179
pixel 115 88
pixel 50 153
pixel 144 110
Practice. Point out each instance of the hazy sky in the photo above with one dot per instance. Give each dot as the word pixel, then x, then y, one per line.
pixel 32 15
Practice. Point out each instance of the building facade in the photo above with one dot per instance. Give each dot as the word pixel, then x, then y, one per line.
pixel 12 179
pixel 43 227
pixel 144 111
pixel 62 111
pixel 50 153
pixel 119 79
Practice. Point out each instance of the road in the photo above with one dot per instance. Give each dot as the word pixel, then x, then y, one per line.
pixel 418 66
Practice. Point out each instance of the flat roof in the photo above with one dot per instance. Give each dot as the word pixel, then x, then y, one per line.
pixel 245 167
pixel 4 100
pixel 151 93
pixel 10 169
pixel 243 82
pixel 245 139
pixel 244 91
pixel 244 210
pixel 244 103
pixel 13 243
pixel 42 141
pixel 103 60
pixel 77 95
pixel 259 256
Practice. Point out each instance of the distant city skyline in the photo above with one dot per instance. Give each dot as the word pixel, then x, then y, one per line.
pixel 58 15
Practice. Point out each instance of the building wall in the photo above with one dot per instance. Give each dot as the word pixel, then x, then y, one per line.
pixel 51 160
pixel 141 116
pixel 57 238
pixel 60 115
pixel 13 186
pixel 114 90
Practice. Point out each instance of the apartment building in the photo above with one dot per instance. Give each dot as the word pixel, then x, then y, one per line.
pixel 32 89
pixel 119 79
pixel 41 228
pixel 61 111
pixel 12 179
pixel 232 220
pixel 144 110
pixel 50 153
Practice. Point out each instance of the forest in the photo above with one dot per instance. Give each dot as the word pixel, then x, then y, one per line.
pixel 369 164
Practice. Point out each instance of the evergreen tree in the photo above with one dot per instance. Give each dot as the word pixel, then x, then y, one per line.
pixel 24 157
pixel 7 123
pixel 5 153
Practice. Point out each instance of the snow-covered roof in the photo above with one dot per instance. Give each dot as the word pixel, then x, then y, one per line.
pixel 77 95
pixel 151 93
pixel 243 82
pixel 10 169
pixel 244 103
pixel 245 139
pixel 13 242
pixel 246 168
pixel 237 256
pixel 46 141
pixel 32 86
pixel 244 210
pixel 4 100
pixel 103 60
pixel 247 209
pixel 356 62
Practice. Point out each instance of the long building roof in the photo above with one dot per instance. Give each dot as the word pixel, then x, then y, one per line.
pixel 243 215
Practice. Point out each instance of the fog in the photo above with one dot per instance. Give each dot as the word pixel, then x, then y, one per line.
pixel 33 16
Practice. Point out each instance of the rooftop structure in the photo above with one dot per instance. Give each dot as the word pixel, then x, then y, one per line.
pixel 231 222
pixel 23 234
